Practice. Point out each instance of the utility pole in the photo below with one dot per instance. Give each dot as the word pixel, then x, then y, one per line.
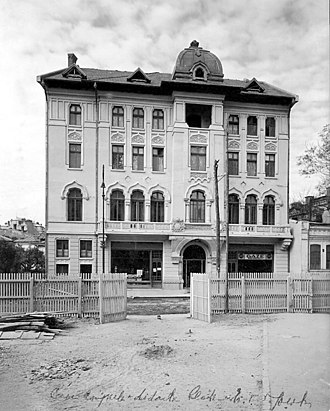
pixel 217 216
pixel 103 235
pixel 226 221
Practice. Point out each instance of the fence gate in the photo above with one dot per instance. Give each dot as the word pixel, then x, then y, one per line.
pixel 113 297
pixel 200 297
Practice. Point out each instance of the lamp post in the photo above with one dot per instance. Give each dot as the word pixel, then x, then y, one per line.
pixel 103 235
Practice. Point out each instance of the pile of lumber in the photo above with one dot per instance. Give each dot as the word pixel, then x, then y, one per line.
pixel 36 322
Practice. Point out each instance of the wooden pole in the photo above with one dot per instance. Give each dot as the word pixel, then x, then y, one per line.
pixel 226 222
pixel 217 217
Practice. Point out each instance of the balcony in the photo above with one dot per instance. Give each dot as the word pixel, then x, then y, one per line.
pixel 254 230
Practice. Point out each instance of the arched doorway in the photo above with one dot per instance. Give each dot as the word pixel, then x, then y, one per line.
pixel 193 262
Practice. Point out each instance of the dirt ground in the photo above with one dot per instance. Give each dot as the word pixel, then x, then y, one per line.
pixel 172 363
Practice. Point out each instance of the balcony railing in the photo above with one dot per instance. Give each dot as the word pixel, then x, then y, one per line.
pixel 259 230
pixel 136 226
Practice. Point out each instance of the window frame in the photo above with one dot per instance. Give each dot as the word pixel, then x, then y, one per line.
pixel 233 124
pixel 62 252
pixel 74 206
pixel 115 157
pixel 270 165
pixel 268 211
pixel 157 207
pixel 233 163
pixel 270 130
pixel 198 159
pixel 158 120
pixel 75 115
pixel 251 162
pixel 88 251
pixel 233 208
pixel 315 257
pixel 158 159
pixel 137 206
pixel 117 117
pixel 138 118
pixel 252 127
pixel 117 205
pixel 75 160
pixel 137 158
pixel 251 210
pixel 197 207
pixel 62 266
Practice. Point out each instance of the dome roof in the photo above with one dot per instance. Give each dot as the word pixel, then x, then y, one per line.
pixel 197 64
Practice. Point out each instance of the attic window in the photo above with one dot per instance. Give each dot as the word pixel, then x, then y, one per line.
pixel 254 86
pixel 198 115
pixel 139 76
pixel 199 74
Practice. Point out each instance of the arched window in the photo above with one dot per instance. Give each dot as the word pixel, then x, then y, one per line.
pixel 233 202
pixel 117 206
pixel 137 206
pixel 270 127
pixel 252 126
pixel 200 73
pixel 197 207
pixel 157 207
pixel 158 119
pixel 74 205
pixel 268 211
pixel 251 210
pixel 118 116
pixel 75 115
pixel 138 118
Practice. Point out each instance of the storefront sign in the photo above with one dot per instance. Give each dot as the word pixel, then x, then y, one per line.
pixel 255 256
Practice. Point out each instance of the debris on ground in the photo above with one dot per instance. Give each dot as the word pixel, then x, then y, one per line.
pixel 30 326
pixel 157 351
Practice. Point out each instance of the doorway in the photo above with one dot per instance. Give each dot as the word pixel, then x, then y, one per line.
pixel 193 262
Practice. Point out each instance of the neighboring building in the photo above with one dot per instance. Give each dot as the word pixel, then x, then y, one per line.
pixel 312 209
pixel 24 232
pixel 158 136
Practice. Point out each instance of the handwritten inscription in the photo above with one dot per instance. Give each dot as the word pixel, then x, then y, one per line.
pixel 196 394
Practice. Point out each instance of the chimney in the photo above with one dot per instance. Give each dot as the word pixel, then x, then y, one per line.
pixel 72 59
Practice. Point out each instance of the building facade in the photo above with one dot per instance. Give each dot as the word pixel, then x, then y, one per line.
pixel 158 136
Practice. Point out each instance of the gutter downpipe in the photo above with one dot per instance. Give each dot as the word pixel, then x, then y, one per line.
pixel 227 222
pixel 96 175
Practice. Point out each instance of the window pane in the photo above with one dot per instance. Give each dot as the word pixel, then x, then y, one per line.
pixel 251 164
pixel 62 248
pixel 233 209
pixel 85 248
pixel 198 158
pixel 117 157
pixel 138 158
pixel 270 165
pixel 315 257
pixel 74 205
pixel 75 115
pixel 158 159
pixel 252 126
pixel 233 124
pixel 197 207
pixel 117 206
pixel 270 127
pixel 233 163
pixel 118 117
pixel 138 118
pixel 62 269
pixel 251 210
pixel 74 155
pixel 327 257
pixel 158 119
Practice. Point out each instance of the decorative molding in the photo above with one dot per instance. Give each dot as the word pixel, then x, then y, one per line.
pixel 178 225
pixel 286 244
pixel 201 177
pixel 74 184
pixel 234 144
pixel 118 137
pixel 198 138
pixel 158 140
pixel 252 146
pixel 270 147
pixel 138 138
pixel 74 136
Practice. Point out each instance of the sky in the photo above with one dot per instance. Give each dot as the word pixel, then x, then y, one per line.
pixel 282 42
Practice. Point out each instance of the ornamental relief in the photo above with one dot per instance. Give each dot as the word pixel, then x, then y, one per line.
pixel 270 147
pixel 252 146
pixel 74 136
pixel 178 225
pixel 138 138
pixel 158 140
pixel 233 144
pixel 118 137
pixel 200 177
pixel 198 138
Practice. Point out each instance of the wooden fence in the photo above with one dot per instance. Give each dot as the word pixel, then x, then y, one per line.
pixel 65 295
pixel 258 293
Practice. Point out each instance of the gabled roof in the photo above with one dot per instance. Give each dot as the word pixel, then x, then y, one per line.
pixel 139 75
pixel 74 72
pixel 254 86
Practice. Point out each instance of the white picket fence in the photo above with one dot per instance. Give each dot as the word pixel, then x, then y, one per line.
pixel 258 293
pixel 65 295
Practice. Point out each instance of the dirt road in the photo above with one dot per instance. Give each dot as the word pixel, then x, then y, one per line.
pixel 174 363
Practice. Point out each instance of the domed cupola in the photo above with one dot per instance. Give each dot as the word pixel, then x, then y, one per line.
pixel 197 64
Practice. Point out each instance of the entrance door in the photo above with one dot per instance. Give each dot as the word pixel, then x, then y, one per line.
pixel 193 262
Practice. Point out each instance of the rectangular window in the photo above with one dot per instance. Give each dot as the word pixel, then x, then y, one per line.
pixel 327 257
pixel 270 127
pixel 251 164
pixel 62 248
pixel 86 269
pixel 74 155
pixel 118 117
pixel 158 120
pixel 233 164
pixel 62 269
pixel 252 126
pixel 138 158
pixel 315 257
pixel 75 115
pixel 157 159
pixel 138 118
pixel 233 124
pixel 270 165
pixel 86 248
pixel 198 158
pixel 117 157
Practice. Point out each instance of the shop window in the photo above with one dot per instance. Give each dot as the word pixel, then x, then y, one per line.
pixel 270 127
pixel 198 115
pixel 233 164
pixel 158 119
pixel 252 126
pixel 74 202
pixel 138 118
pixel 198 158
pixel 117 206
pixel 157 159
pixel 251 164
pixel 233 202
pixel 270 165
pixel 117 157
pixel 75 115
pixel 197 207
pixel 137 206
pixel 157 207
pixel 268 211
pixel 74 155
pixel 86 248
pixel 315 257
pixel 62 269
pixel 138 158
pixel 118 116
pixel 251 210
pixel 233 124
pixel 62 248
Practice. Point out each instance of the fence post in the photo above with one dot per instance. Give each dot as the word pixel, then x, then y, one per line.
pixel 191 295
pixel 289 296
pixel 80 296
pixel 243 294
pixel 101 297
pixel 209 296
pixel 31 293
pixel 311 296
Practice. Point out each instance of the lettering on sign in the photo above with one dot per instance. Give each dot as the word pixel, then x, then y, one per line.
pixel 255 256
